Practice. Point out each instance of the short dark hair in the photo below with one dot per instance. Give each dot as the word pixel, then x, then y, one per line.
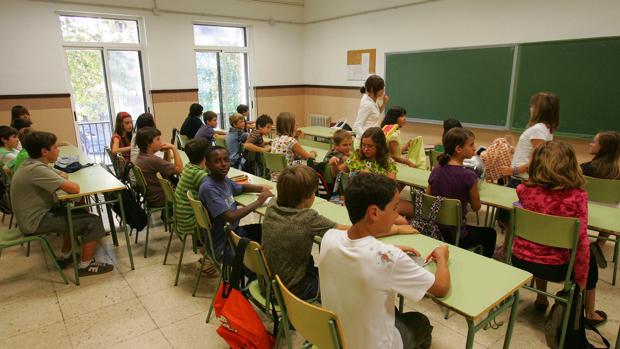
pixel 365 189
pixel 196 149
pixel 195 109
pixel 5 133
pixel 296 184
pixel 373 84
pixel 17 111
pixel 145 120
pixel 392 115
pixel 18 124
pixel 449 124
pixel 145 136
pixel 242 108
pixel 341 135
pixel 264 120
pixel 35 141
pixel 213 150
pixel 208 116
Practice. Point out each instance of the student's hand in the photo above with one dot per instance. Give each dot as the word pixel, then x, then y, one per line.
pixel 406 229
pixel 506 171
pixel 167 146
pixel 385 99
pixel 411 164
pixel 440 254
pixel 63 175
pixel 312 154
pixel 334 161
pixel 264 195
pixel 299 133
pixel 408 250
pixel 267 148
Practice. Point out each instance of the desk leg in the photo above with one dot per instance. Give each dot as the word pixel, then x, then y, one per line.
pixel 616 252
pixel 72 240
pixel 511 322
pixel 124 227
pixel 471 332
pixel 112 225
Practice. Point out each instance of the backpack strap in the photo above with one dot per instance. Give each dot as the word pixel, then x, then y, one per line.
pixel 236 274
pixel 435 207
pixel 128 167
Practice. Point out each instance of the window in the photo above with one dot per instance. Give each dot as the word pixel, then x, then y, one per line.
pixel 104 59
pixel 222 68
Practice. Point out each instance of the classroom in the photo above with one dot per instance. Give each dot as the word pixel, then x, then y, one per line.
pixel 479 157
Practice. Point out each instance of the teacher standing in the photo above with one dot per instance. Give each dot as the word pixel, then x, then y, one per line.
pixel 371 106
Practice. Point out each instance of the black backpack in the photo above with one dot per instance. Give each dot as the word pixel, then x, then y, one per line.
pixel 134 213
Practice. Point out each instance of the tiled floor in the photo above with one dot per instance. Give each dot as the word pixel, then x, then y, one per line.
pixel 142 309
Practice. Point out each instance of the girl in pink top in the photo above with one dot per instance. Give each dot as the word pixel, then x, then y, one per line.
pixel 555 187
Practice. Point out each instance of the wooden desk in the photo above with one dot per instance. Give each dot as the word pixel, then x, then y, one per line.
pixel 93 180
pixel 481 288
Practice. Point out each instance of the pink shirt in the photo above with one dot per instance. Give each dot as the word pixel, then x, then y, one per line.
pixel 565 203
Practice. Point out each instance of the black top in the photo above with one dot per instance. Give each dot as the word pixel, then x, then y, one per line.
pixel 587 169
pixel 190 126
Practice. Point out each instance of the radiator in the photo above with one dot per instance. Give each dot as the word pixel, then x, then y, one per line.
pixel 319 120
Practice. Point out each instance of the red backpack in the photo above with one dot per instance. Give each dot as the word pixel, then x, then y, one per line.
pixel 240 326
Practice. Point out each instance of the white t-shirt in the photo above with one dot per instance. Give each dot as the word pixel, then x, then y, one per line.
pixel 359 280
pixel 524 148
pixel 368 115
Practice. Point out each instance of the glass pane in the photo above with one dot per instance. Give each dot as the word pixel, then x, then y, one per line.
pixel 126 78
pixel 208 91
pixel 234 85
pixel 90 100
pixel 210 35
pixel 91 29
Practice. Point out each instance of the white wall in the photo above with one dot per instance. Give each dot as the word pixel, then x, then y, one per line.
pixel 32 59
pixel 442 24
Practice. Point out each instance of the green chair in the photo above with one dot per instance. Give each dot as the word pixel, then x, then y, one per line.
pixel 433 157
pixel 142 188
pixel 275 162
pixel 181 141
pixel 605 191
pixel 13 237
pixel 221 141
pixel 559 232
pixel 450 212
pixel 171 207
pixel 203 222
pixel 318 326
pixel 315 144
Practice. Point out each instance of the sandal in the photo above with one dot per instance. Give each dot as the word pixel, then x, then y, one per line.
pixel 541 307
pixel 596 323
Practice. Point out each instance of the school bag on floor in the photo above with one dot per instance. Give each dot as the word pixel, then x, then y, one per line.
pixel 416 153
pixel 240 327
pixel 426 225
pixel 135 215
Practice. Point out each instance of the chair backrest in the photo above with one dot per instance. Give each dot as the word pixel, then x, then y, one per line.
pixel 141 185
pixel 319 326
pixel 200 212
pixel 168 191
pixel 118 168
pixel 543 229
pixel 181 140
pixel 433 157
pixel 315 144
pixel 603 190
pixel 221 141
pixel 253 258
pixel 450 212
pixel 275 162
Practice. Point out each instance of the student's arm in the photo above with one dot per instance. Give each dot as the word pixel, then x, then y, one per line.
pixel 429 191
pixel 178 162
pixel 301 152
pixel 509 171
pixel 253 188
pixel 255 148
pixel 474 197
pixel 235 215
pixel 385 102
pixel 69 187
pixel 220 133
pixel 391 175
pixel 442 274
pixel 116 148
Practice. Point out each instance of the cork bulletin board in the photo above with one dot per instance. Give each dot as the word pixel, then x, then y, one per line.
pixel 360 64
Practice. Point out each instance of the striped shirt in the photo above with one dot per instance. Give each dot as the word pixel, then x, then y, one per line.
pixel 191 178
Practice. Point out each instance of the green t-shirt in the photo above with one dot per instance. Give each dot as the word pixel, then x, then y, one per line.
pixel 355 164
pixel 191 178
pixel 16 163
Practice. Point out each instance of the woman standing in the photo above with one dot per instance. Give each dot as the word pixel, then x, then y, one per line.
pixel 371 106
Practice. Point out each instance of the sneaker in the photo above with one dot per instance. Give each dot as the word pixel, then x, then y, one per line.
pixel 65 262
pixel 95 268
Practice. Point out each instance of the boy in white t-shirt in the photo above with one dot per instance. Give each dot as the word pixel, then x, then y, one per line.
pixel 360 275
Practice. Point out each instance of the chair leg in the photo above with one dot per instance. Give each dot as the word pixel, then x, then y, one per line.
pixel 146 239
pixel 176 279
pixel 202 265
pixel 213 298
pixel 28 249
pixel 566 316
pixel 46 246
pixel 168 247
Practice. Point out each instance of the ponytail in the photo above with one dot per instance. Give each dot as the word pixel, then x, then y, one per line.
pixel 362 90
pixel 443 158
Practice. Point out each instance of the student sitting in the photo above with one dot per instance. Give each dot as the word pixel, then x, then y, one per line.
pixel 121 139
pixel 33 193
pixel 8 146
pixel 373 155
pixel 336 158
pixel 235 139
pixel 192 123
pixel 255 143
pixel 245 111
pixel 23 154
pixel 208 131
pixel 149 141
pixel 448 124
pixel 217 194
pixel 144 120
pixel 555 187
pixel 286 142
pixel 451 180
pixel 360 275
pixel 395 119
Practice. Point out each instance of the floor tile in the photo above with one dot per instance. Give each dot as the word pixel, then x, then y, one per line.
pixel 150 340
pixel 49 336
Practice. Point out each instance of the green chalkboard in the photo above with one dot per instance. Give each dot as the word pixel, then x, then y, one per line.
pixel 469 84
pixel 585 74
